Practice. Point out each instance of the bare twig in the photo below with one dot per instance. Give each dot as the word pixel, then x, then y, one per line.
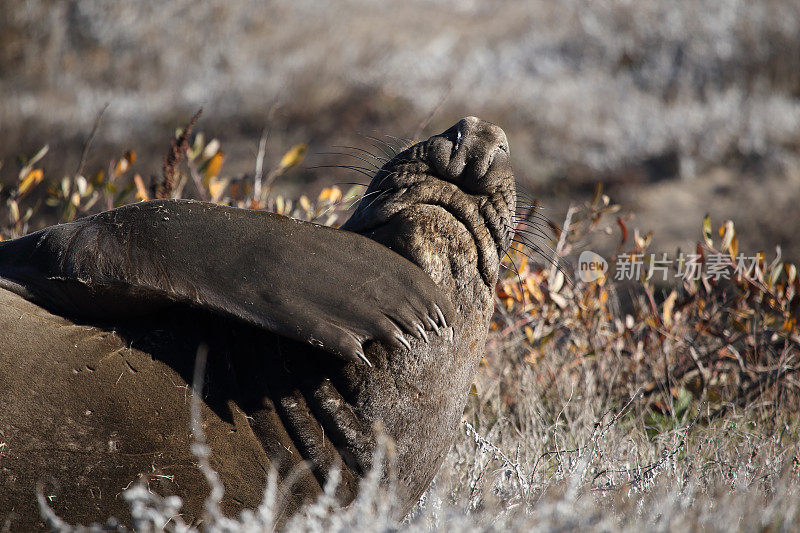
pixel 434 111
pixel 198 181
pixel 70 208
pixel 200 448
pixel 562 239
pixel 88 144
pixel 259 173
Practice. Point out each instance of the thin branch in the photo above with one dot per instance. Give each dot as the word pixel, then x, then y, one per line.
pixel 88 144
pixel 259 173
pixel 434 111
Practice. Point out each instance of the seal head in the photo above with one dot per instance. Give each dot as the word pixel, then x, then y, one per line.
pixel 464 171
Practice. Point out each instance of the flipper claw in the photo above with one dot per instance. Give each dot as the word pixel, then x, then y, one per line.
pixel 363 358
pixel 442 321
pixel 422 333
pixel 403 341
pixel 433 325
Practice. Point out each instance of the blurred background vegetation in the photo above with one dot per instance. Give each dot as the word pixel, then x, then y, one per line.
pixel 599 405
pixel 680 108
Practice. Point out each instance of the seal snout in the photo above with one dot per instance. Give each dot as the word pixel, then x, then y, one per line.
pixel 473 154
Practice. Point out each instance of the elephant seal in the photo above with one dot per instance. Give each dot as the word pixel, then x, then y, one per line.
pixel 99 397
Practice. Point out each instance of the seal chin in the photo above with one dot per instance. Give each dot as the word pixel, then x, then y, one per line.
pixel 466 171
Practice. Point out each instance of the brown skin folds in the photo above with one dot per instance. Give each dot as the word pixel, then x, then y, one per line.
pixel 88 407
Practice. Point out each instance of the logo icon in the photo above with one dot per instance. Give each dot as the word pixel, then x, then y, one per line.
pixel 591 266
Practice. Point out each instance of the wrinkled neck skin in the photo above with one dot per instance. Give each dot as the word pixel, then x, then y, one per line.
pixel 446 204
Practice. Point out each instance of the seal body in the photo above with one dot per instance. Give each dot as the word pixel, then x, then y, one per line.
pixel 88 408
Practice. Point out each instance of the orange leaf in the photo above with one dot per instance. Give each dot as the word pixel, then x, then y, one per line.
pixel 669 305
pixel 304 203
pixel 332 194
pixel 213 167
pixel 529 334
pixel 30 181
pixel 293 157
pixel 141 192
pixel 217 187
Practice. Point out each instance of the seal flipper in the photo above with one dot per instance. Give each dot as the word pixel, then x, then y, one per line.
pixel 330 288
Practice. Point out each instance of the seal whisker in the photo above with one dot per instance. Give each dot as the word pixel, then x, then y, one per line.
pixel 535 232
pixel 539 250
pixel 529 204
pixel 538 221
pixel 384 177
pixel 529 201
pixel 368 170
pixel 559 265
pixel 532 237
pixel 526 195
pixel 352 183
pixel 402 144
pixel 548 259
pixel 523 203
pixel 373 200
pixel 359 198
pixel 534 222
pixel 532 230
pixel 367 161
pixel 529 230
pixel 358 169
pixel 531 215
pixel 384 143
pixel 519 277
pixel 529 208
pixel 531 218
pixel 373 156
